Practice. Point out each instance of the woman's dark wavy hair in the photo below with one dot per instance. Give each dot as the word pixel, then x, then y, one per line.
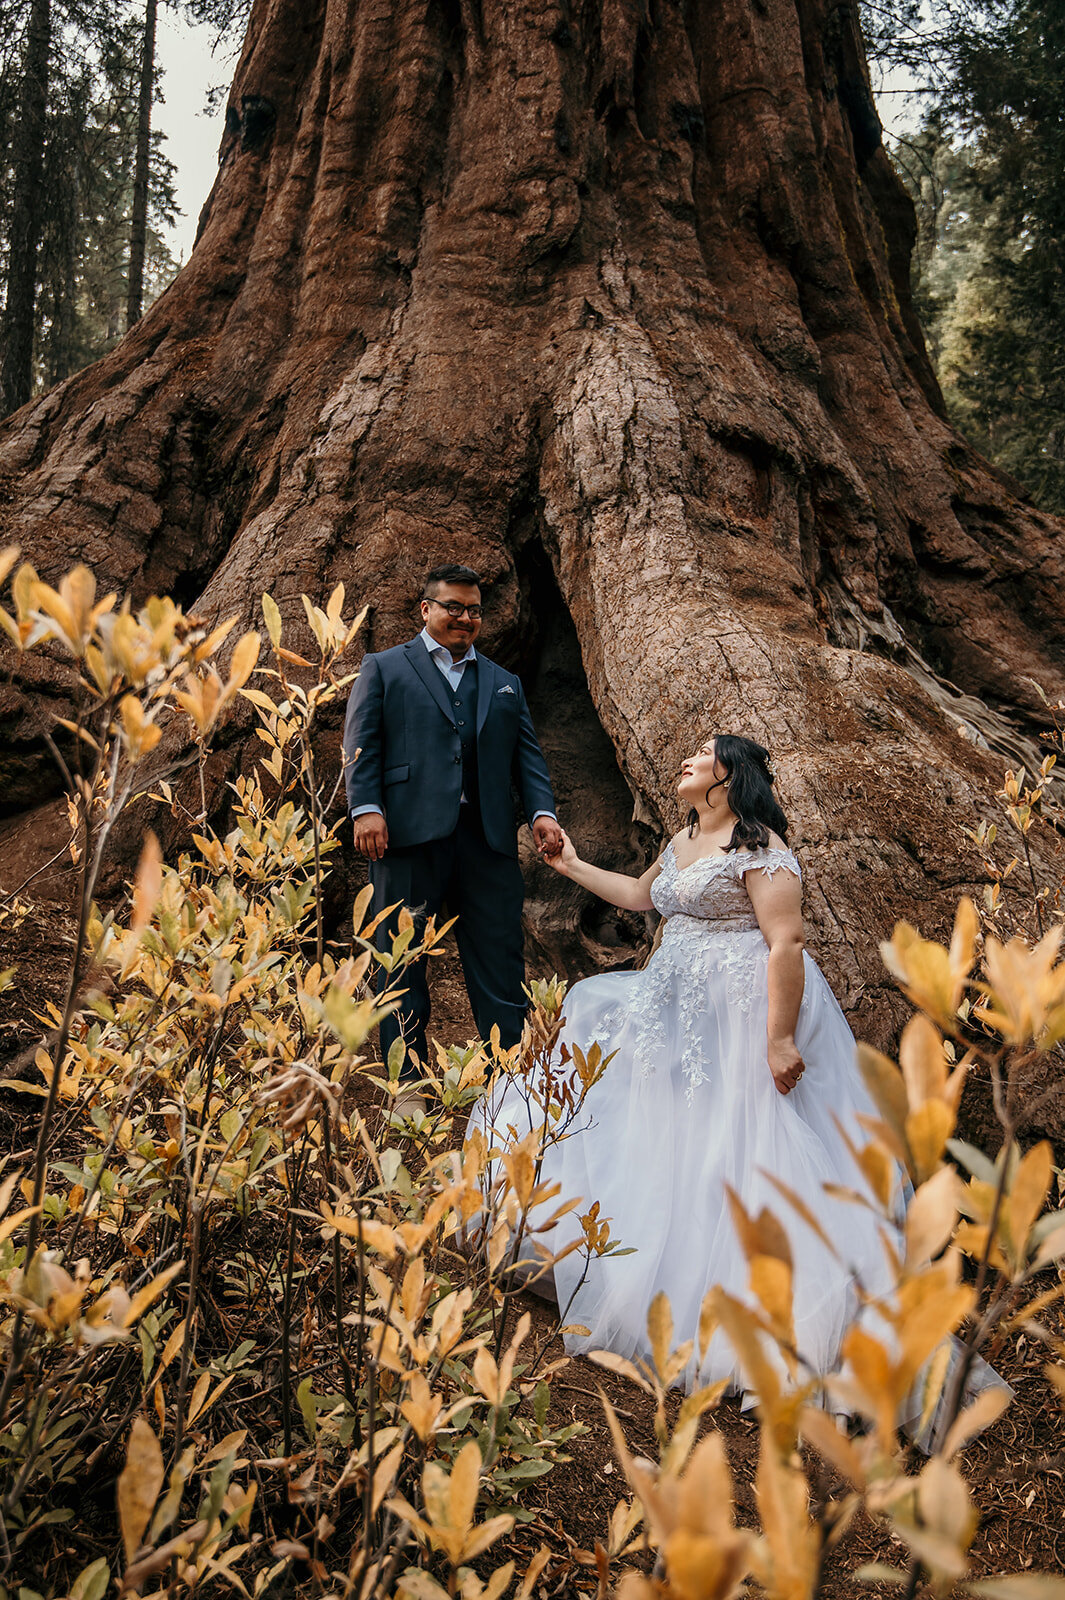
pixel 750 793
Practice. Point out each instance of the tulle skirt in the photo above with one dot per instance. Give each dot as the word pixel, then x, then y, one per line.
pixel 686 1107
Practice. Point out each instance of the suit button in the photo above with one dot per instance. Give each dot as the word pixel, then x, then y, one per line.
pixel 457 760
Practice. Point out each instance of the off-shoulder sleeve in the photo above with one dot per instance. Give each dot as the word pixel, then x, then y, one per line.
pixel 767 861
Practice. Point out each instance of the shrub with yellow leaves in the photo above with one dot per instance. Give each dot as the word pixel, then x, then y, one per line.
pixel 978 1255
pixel 214 1260
pixel 285 1337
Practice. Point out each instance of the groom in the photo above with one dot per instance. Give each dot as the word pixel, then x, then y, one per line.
pixel 435 736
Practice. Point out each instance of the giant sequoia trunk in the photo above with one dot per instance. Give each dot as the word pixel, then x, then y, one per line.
pixel 609 299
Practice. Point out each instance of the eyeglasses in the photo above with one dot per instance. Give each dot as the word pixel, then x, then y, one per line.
pixel 455 611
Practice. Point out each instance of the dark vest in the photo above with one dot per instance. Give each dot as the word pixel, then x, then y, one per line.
pixel 464 705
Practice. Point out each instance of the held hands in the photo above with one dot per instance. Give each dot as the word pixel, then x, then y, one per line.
pixel 565 857
pixel 371 835
pixel 548 837
pixel 785 1063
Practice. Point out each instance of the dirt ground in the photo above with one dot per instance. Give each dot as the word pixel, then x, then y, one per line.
pixel 1017 1469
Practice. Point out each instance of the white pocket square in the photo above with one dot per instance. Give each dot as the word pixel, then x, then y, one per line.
pixel 506 689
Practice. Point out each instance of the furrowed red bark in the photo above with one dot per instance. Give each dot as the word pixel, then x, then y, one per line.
pixel 610 300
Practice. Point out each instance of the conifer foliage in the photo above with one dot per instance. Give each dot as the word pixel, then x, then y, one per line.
pixel 987 171
pixel 76 153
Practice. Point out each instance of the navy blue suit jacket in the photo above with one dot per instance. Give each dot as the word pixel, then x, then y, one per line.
pixel 401 721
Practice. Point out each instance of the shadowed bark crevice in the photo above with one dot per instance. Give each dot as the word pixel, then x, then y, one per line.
pixel 566 930
pixel 621 288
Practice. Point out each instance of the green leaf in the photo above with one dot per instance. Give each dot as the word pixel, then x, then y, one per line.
pixel 146 1338
pixel 1048 1224
pixel 272 618
pixel 217 1484
pixel 91 1584
pixel 525 1470
pixel 396 1057
pixel 229 1124
pixel 305 1400
pixel 391 1166
pixel 973 1160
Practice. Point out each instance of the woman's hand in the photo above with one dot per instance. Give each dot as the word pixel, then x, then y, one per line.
pixel 785 1063
pixel 566 859
pixel 631 894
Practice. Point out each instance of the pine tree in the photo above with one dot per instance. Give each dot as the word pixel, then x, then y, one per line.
pixel 1011 87
pixel 27 205
pixel 85 198
pixel 228 17
pixel 138 233
pixel 990 266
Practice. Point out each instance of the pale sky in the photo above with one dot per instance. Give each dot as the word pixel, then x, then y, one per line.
pixel 193 137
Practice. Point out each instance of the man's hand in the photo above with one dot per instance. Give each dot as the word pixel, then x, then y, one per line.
pixel 547 836
pixel 566 857
pixel 371 835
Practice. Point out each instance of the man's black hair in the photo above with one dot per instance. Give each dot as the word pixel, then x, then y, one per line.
pixel 448 573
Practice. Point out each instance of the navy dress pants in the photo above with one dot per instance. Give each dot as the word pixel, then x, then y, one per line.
pixel 460 876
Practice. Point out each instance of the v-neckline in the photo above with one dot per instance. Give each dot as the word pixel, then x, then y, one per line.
pixel 713 855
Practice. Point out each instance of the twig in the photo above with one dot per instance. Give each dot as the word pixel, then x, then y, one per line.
pixel 575 1388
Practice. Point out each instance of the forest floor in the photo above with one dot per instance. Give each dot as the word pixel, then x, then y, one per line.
pixel 1016 1469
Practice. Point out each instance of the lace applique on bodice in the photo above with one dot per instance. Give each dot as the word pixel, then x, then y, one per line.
pixel 710 935
pixel 712 888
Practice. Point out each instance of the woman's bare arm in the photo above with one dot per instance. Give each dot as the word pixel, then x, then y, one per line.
pixel 630 894
pixel 777 902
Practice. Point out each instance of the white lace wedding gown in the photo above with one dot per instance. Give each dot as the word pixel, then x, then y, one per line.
pixel 688 1104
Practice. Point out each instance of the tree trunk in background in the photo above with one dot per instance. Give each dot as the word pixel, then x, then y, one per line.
pixel 16 364
pixel 57 354
pixel 138 233
pixel 609 299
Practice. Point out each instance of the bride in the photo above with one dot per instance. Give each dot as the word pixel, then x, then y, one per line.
pixel 733 1063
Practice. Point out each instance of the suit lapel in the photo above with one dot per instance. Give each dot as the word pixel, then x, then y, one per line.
pixel 485 684
pixel 431 676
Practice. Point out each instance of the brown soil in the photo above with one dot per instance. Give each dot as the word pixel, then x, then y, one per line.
pixel 1017 1469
